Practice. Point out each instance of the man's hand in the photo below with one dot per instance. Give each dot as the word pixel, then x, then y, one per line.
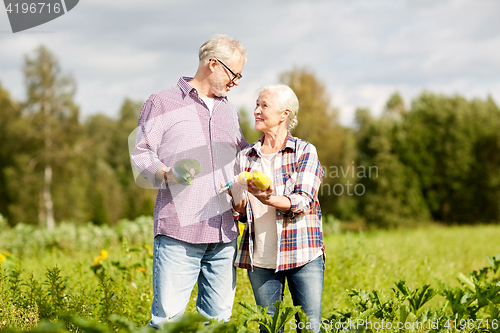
pixel 238 195
pixel 168 174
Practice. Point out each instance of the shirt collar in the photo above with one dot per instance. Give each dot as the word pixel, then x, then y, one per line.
pixel 288 144
pixel 186 88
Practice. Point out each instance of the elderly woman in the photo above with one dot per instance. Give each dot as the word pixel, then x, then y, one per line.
pixel 283 237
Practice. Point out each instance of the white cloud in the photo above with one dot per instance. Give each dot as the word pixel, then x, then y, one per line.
pixel 363 50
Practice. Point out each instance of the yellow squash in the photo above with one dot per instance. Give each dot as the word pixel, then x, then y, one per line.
pixel 245 177
pixel 261 180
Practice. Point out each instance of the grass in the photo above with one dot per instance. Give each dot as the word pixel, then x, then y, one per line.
pixel 376 260
pixel 372 260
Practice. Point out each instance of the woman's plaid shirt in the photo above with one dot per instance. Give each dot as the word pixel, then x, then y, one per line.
pixel 298 176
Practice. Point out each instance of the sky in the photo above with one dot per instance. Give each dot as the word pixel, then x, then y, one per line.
pixel 361 50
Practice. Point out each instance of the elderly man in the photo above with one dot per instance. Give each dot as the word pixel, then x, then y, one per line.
pixel 195 232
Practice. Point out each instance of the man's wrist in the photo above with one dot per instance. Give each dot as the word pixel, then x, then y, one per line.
pixel 233 209
pixel 167 176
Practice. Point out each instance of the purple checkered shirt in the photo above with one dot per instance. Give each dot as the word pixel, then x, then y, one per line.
pixel 175 124
pixel 298 177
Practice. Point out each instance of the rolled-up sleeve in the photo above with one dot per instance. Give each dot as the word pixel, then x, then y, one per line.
pixel 309 177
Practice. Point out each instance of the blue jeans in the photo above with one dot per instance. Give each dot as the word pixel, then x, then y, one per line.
pixel 178 265
pixel 305 284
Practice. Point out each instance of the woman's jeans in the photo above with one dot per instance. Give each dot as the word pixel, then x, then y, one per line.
pixel 305 284
pixel 177 266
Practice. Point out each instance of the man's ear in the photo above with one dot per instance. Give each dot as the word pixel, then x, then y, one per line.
pixel 212 63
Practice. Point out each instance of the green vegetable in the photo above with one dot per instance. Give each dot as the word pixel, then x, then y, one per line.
pixel 181 170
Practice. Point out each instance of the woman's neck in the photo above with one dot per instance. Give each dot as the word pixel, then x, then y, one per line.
pixel 274 141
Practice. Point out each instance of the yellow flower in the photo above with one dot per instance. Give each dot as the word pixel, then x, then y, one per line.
pixel 7 253
pixel 2 258
pixel 146 247
pixel 103 255
pixel 142 269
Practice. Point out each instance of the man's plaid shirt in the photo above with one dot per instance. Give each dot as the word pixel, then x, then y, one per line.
pixel 300 232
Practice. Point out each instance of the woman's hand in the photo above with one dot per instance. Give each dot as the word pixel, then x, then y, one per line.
pixel 267 198
pixel 262 196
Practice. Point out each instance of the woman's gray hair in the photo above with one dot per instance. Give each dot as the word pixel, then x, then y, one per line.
pixel 285 99
pixel 221 47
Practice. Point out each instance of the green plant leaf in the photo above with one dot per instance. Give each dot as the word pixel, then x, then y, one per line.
pixel 467 282
pixel 403 313
pixel 494 262
pixel 421 296
pixel 282 315
pixel 494 311
pixel 125 324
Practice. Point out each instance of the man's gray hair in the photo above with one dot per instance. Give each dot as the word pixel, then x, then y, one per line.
pixel 221 47
pixel 285 99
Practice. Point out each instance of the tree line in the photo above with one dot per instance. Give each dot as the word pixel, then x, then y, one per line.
pixel 438 160
pixel 55 167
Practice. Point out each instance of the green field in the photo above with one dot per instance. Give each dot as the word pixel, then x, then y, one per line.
pixel 374 261
pixel 367 261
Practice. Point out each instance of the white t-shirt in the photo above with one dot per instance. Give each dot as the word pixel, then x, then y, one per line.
pixel 209 102
pixel 265 249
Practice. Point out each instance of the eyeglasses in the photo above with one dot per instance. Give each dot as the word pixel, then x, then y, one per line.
pixel 236 76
